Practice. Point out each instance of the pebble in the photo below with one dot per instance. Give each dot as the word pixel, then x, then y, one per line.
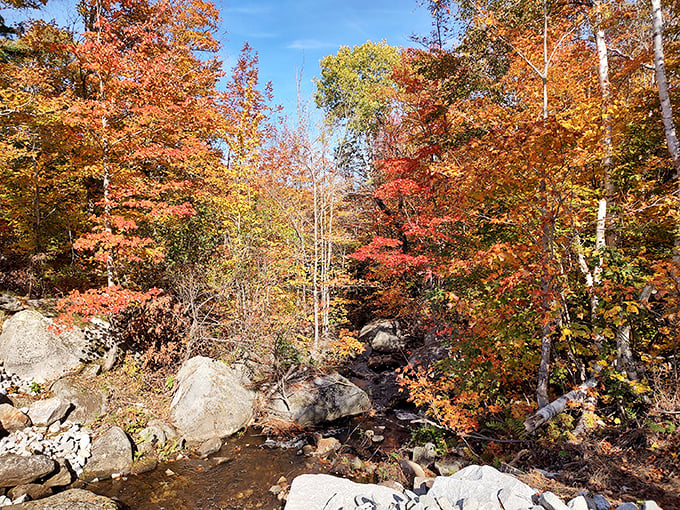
pixel 66 442
pixel 12 384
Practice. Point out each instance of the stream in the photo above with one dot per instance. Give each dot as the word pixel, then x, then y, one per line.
pixel 239 476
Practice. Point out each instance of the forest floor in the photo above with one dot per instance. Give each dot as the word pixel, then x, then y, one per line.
pixel 633 464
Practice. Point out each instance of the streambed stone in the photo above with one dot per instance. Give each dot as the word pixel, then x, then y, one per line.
pixel 45 412
pixel 17 470
pixel 312 492
pixel 210 400
pixel 111 454
pixel 483 484
pixel 88 401
pixel 12 419
pixel 73 499
pixel 320 400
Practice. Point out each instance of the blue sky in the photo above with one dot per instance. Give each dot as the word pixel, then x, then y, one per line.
pixel 291 35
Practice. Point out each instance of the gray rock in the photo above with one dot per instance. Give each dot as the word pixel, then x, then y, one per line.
pixel 31 490
pixel 44 413
pixel 601 502
pixel 89 403
pixel 550 501
pixel 315 492
pixel 321 400
pixel 10 304
pixel 650 505
pixel 422 484
pixel 170 433
pixel 627 506
pixel 209 401
pixel 63 477
pixel 31 350
pixel 209 447
pixel 153 434
pixel 111 455
pixel 578 503
pixel 17 470
pixel 424 455
pixel 411 469
pixel 12 419
pixel 444 503
pixel 428 501
pixel 469 504
pixel 383 335
pixel 511 500
pixel 73 499
pixel 483 483
pixel 449 466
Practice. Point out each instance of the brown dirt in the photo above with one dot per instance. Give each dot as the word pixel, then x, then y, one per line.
pixel 634 466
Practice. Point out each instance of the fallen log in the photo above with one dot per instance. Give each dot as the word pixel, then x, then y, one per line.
pixel 548 412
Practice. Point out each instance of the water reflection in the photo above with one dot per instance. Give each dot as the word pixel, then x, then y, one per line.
pixel 238 477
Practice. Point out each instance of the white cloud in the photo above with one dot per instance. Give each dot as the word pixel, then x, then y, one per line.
pixel 309 44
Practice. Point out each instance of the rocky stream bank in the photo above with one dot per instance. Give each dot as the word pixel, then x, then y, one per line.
pixel 62 435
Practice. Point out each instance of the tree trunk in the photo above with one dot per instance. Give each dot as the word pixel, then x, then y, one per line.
pixel 549 411
pixel 662 83
pixel 36 204
pixel 664 98
pixel 107 216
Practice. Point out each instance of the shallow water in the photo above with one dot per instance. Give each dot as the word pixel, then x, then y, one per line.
pixel 238 477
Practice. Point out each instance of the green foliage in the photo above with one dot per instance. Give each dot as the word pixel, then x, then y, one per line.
pixel 666 427
pixel 422 434
pixel 169 449
pixel 286 352
pixel 354 84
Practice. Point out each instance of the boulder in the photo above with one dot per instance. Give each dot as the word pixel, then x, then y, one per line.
pixel 210 400
pixel 44 413
pixel 429 354
pixel 17 470
pixel 601 502
pixel 30 490
pixel 487 486
pixel 89 402
pixel 111 455
pixel 63 476
pixel 411 470
pixel 33 351
pixel 383 336
pixel 425 455
pixel 320 400
pixel 10 304
pixel 73 499
pixel 11 419
pixel 551 501
pixel 578 503
pixel 317 492
pixel 209 447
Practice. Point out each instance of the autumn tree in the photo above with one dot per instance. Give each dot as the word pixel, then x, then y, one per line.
pixel 353 92
pixel 143 111
pixel 491 214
